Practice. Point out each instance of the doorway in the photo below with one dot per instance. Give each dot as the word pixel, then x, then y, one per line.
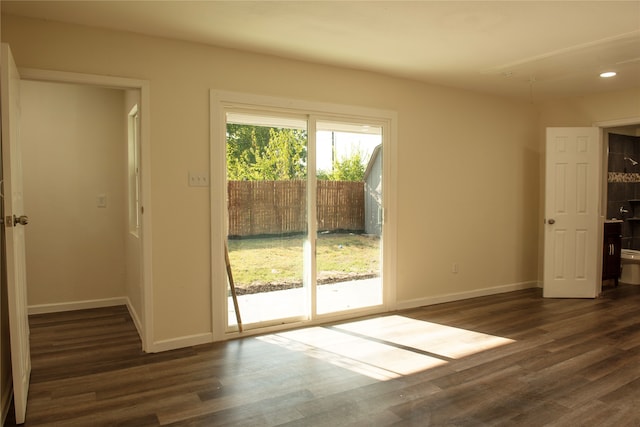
pixel 76 136
pixel 73 153
pixel 622 180
pixel 304 238
pixel 593 283
pixel 305 195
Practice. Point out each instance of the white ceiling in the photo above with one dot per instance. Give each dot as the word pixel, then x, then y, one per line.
pixel 525 49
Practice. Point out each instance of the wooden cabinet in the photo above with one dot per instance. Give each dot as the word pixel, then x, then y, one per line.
pixel 611 251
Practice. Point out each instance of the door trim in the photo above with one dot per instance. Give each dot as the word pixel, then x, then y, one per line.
pixel 219 102
pixel 629 121
pixel 146 335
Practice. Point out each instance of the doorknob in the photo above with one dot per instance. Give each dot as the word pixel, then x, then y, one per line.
pixel 22 220
pixel 551 221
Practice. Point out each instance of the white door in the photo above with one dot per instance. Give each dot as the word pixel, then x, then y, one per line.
pixel 14 224
pixel 572 253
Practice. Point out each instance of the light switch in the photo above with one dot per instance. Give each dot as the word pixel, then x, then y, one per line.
pixel 101 201
pixel 198 179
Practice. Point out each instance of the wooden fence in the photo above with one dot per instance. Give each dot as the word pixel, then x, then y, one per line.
pixel 279 207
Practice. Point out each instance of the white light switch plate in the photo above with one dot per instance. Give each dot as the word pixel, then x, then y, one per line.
pixel 198 179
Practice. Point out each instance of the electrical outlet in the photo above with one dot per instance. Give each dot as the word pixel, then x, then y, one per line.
pixel 198 179
pixel 101 200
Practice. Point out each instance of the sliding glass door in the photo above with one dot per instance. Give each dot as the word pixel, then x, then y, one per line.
pixel 267 216
pixel 349 216
pixel 304 216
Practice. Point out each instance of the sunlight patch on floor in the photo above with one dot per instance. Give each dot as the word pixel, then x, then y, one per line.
pixel 386 347
pixel 441 340
pixel 368 357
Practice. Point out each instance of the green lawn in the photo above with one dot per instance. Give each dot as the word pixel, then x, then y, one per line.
pixel 278 260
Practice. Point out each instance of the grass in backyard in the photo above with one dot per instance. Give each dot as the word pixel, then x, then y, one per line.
pixel 278 260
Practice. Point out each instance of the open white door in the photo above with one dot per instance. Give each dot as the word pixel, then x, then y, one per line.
pixel 572 223
pixel 14 222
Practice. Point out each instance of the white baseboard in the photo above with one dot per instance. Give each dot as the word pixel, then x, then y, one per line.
pixel 77 305
pixel 135 318
pixel 419 302
pixel 181 342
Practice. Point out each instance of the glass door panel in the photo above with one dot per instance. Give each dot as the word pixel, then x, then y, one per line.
pixel 267 217
pixel 349 216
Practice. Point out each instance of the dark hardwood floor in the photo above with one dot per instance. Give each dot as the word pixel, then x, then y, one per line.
pixel 516 359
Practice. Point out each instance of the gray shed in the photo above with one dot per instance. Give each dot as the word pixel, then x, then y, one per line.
pixel 373 193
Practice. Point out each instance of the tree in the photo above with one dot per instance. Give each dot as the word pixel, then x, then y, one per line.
pixel 283 158
pixel 346 169
pixel 258 153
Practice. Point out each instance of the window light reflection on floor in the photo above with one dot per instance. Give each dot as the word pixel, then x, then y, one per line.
pixel 386 347
pixel 434 338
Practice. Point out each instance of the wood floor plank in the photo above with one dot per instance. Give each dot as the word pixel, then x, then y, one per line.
pixel 568 362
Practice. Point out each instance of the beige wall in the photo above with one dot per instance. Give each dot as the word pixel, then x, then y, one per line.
pixel 467 169
pixel 587 110
pixel 73 149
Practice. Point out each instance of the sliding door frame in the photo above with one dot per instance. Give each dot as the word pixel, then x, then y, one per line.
pixel 220 102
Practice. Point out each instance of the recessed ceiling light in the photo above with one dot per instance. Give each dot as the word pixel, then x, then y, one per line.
pixel 607 74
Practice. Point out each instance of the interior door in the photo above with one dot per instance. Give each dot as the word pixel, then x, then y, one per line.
pixel 14 223
pixel 572 252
